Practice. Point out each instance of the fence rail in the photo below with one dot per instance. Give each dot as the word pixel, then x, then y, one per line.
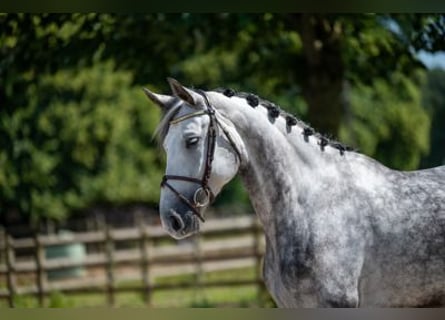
pixel 223 244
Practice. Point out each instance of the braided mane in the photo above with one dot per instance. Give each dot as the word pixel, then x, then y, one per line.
pixel 275 111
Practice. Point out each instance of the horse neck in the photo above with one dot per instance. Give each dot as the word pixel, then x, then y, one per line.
pixel 281 163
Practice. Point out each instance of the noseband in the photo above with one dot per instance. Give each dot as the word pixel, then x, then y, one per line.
pixel 204 189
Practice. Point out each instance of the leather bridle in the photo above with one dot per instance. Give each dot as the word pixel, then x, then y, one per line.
pixel 204 189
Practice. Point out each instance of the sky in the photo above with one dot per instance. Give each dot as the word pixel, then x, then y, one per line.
pixel 431 60
pixel 436 60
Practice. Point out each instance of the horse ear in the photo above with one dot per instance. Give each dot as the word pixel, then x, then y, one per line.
pixel 160 99
pixel 183 93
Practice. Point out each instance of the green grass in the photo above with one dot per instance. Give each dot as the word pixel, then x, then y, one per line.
pixel 240 296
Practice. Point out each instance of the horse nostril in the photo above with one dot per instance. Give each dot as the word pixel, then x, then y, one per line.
pixel 176 223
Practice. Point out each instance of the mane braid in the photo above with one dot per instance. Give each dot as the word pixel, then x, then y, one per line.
pixel 275 111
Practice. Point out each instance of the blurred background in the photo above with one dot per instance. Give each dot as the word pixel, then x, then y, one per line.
pixel 76 147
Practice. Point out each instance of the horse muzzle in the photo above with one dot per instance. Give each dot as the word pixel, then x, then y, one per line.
pixel 180 226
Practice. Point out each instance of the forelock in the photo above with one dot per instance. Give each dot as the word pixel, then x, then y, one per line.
pixel 163 126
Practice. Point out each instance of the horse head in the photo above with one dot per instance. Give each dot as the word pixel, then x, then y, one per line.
pixel 203 154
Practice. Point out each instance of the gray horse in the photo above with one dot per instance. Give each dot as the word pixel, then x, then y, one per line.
pixel 341 229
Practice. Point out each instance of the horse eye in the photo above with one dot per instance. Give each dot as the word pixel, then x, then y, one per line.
pixel 191 141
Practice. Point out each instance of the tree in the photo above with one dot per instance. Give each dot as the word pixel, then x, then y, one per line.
pixel 434 102
pixel 84 137
pixel 57 66
pixel 392 128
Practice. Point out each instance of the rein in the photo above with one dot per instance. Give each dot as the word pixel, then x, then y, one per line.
pixel 204 189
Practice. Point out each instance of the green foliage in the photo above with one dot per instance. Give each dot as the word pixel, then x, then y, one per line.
pixel 75 128
pixel 434 102
pixel 387 121
pixel 84 137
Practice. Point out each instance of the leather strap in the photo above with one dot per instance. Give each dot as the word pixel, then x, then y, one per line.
pixel 210 152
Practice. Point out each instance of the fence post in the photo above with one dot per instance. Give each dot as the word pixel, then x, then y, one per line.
pixel 197 242
pixel 109 252
pixel 145 247
pixel 10 266
pixel 40 270
pixel 89 224
pixel 256 227
pixel 99 225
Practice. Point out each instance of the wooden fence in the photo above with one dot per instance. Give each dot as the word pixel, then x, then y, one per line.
pixel 141 253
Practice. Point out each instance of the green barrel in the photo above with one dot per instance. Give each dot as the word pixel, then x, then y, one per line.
pixel 74 251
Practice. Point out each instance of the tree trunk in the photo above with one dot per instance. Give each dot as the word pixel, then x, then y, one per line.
pixel 324 70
